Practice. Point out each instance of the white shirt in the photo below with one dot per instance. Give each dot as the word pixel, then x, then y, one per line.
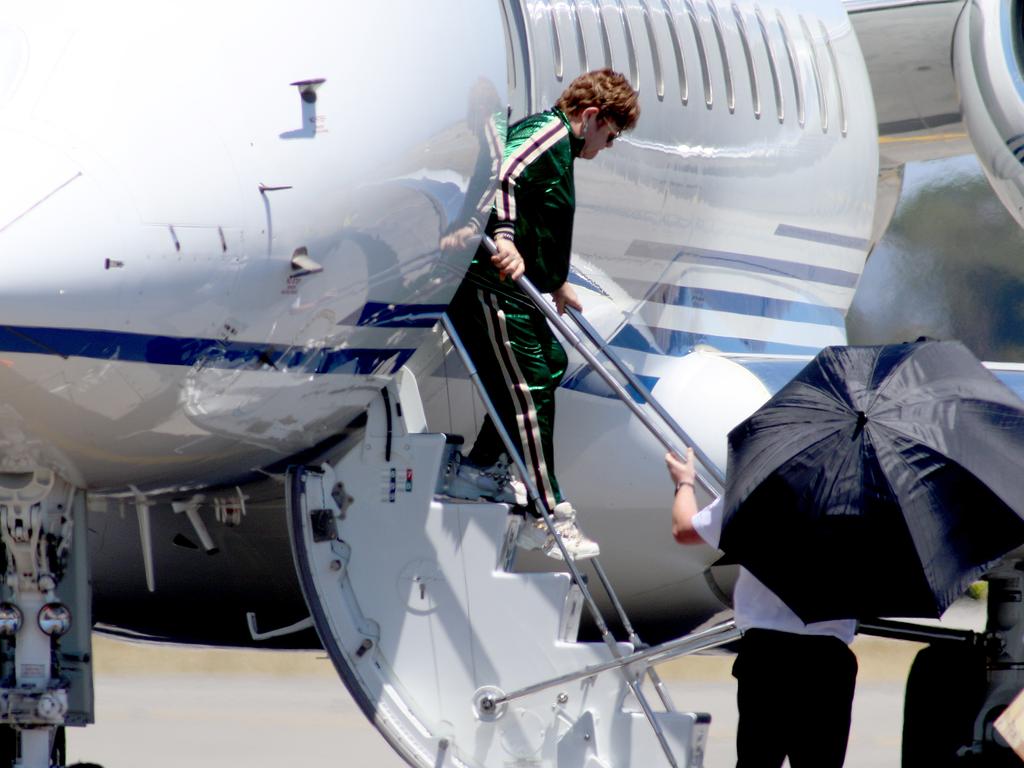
pixel 756 606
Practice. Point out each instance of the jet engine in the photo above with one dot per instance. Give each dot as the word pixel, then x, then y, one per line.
pixel 988 62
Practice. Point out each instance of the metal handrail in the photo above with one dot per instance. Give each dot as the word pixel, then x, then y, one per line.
pixel 634 638
pixel 563 328
pixel 713 637
pixel 595 338
pixel 541 506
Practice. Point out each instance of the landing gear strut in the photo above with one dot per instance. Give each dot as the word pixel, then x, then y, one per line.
pixel 45 618
pixel 963 681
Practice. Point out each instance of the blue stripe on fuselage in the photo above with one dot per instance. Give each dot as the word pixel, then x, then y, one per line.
pixel 821 236
pixel 738 303
pixel 672 343
pixel 213 353
pixel 665 341
pixel 380 315
pixel 576 278
pixel 587 381
pixel 745 262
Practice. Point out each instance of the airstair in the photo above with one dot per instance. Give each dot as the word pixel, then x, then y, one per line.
pixel 458 660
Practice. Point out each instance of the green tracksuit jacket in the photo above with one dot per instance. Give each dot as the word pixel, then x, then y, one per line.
pixel 535 201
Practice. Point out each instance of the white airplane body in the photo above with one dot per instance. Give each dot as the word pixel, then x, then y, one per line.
pixel 172 294
pixel 220 241
pixel 168 290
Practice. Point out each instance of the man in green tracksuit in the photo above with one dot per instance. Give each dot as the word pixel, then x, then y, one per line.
pixel 519 361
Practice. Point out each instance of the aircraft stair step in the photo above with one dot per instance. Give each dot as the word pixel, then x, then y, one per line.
pixel 428 630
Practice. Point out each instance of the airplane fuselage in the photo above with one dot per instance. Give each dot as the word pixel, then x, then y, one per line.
pixel 156 334
pixel 223 266
pixel 162 176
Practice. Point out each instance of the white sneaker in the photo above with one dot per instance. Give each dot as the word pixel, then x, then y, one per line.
pixel 533 534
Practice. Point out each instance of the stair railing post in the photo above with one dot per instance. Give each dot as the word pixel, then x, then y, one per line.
pixel 634 638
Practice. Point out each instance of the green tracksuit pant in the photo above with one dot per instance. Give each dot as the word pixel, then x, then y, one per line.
pixel 520 364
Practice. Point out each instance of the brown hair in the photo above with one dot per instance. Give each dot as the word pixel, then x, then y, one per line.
pixel 605 89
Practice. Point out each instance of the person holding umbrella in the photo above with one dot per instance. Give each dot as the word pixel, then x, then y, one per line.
pixel 795 681
pixel 880 481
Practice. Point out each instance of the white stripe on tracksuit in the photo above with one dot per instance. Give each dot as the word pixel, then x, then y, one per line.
pixel 516 163
pixel 522 400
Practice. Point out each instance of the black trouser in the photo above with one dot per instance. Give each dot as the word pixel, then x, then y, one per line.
pixel 794 695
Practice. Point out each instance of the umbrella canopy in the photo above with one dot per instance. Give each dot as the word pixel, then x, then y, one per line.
pixel 880 481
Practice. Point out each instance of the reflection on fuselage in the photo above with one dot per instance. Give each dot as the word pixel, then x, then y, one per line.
pixel 949 266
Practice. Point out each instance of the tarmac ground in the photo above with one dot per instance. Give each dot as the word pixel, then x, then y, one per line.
pixel 164 706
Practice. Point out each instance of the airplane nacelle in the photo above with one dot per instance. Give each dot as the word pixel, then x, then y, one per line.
pixel 989 70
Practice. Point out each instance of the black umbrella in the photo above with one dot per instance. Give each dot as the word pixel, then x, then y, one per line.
pixel 880 481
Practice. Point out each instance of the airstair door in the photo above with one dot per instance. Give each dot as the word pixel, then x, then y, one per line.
pixel 411 595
